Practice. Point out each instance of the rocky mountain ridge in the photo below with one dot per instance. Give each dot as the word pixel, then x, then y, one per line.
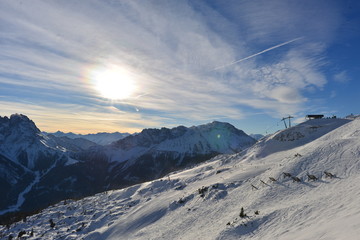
pixel 101 138
pixel 46 169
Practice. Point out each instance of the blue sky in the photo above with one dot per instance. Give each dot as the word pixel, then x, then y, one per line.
pixel 246 62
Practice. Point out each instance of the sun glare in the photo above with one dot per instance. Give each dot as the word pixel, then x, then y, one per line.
pixel 113 83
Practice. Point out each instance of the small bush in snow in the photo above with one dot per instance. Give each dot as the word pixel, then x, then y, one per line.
pixel 296 179
pixel 329 175
pixel 202 191
pixel 312 177
pixel 21 233
pixel 182 201
pixel 52 224
pixel 286 174
pixel 242 213
pixel 272 179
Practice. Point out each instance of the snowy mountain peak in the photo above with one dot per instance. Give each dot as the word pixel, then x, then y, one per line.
pixel 208 138
pixel 216 125
pixel 16 117
pixel 151 136
pixel 17 124
pixel 22 142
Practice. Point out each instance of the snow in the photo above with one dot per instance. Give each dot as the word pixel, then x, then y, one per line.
pixel 71 161
pixel 204 202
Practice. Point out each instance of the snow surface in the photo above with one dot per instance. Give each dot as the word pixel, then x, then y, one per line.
pixel 204 202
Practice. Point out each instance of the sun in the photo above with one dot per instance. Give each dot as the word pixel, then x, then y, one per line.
pixel 113 83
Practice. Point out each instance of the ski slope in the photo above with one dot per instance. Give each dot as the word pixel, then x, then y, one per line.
pixel 205 202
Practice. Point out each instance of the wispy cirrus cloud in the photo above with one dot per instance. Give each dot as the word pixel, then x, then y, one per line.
pixel 171 49
pixel 341 77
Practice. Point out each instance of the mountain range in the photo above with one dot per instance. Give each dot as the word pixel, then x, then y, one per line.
pixel 102 138
pixel 38 169
pixel 298 183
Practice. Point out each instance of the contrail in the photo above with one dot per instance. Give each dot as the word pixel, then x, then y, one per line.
pixel 254 55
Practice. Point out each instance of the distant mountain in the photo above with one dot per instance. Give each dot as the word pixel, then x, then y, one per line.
pixel 98 138
pixel 155 152
pixel 72 144
pixel 256 136
pixel 38 169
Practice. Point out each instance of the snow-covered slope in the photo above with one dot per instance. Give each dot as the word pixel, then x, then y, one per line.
pixel 98 138
pixel 205 202
pixel 294 137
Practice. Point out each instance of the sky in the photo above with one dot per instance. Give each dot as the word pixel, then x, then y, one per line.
pixel 110 65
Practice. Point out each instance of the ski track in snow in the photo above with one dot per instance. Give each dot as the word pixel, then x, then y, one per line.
pixel 204 202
